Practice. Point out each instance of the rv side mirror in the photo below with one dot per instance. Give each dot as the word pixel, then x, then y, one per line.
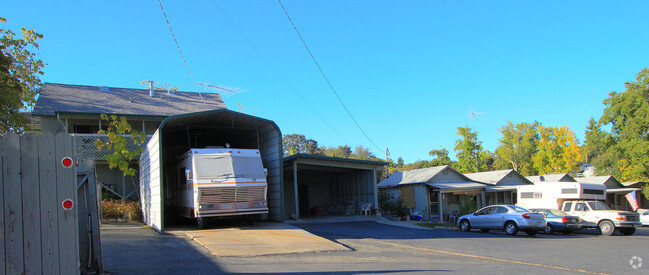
pixel 188 174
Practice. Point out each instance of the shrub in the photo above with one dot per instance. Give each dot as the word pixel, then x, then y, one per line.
pixel 468 204
pixel 121 210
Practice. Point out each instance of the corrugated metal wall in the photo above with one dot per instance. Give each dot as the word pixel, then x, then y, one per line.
pixel 151 184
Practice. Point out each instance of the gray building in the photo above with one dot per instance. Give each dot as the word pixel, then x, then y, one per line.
pixel 76 109
pixel 434 192
pixel 501 185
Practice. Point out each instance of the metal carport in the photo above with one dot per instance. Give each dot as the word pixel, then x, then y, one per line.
pixel 312 180
pixel 178 133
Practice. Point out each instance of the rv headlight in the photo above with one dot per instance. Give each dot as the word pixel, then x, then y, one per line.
pixel 206 206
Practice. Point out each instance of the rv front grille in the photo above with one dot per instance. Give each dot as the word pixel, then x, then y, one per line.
pixel 232 194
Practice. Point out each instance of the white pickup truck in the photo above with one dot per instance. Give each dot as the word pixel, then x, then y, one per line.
pixel 596 214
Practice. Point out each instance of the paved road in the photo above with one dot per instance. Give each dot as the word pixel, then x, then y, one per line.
pixel 382 248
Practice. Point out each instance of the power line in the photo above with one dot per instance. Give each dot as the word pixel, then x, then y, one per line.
pixel 325 77
pixel 278 73
pixel 178 46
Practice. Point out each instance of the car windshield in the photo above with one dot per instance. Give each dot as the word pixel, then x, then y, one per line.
pixel 519 209
pixel 598 205
pixel 557 212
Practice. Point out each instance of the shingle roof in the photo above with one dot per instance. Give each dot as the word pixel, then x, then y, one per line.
pixel 490 177
pixel 495 177
pixel 424 175
pixel 55 98
pixel 411 176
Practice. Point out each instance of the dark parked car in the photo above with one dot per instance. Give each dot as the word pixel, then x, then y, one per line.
pixel 558 220
pixel 510 218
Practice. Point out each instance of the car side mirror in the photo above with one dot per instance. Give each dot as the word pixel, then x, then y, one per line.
pixel 475 213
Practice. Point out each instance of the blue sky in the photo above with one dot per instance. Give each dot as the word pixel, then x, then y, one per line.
pixel 408 71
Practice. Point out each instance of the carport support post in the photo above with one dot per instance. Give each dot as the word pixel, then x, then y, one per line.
pixel 297 203
pixel 441 215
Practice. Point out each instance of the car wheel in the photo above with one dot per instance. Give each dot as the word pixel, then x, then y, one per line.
pixel 465 225
pixel 548 229
pixel 511 228
pixel 627 231
pixel 484 230
pixel 606 228
pixel 531 233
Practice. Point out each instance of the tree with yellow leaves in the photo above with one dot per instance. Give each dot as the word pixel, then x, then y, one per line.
pixel 558 151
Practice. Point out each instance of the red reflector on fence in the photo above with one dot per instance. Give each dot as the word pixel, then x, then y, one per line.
pixel 67 204
pixel 67 162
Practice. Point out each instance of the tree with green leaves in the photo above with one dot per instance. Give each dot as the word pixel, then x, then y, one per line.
pixel 299 144
pixel 517 145
pixel 558 151
pixel 20 71
pixel 121 156
pixel 467 149
pixel 361 152
pixel 627 148
pixel 343 151
pixel 440 157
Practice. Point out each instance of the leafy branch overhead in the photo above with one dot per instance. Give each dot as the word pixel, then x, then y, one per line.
pixel 19 76
pixel 116 132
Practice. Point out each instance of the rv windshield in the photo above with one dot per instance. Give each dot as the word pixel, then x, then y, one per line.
pixel 213 167
pixel 248 167
pixel 598 205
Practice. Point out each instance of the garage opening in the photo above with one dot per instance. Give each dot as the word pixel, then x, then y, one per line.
pixel 212 129
pixel 327 186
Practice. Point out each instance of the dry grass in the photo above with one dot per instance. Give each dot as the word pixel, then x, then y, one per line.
pixel 121 210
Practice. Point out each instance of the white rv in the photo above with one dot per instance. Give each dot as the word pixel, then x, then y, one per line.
pixel 221 182
pixel 579 199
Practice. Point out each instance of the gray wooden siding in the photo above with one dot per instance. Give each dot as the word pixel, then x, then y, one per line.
pixel 37 236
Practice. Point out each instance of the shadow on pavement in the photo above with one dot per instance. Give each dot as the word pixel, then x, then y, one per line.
pixel 374 230
pixel 134 249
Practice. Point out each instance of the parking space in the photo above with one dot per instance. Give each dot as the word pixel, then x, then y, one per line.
pixel 265 238
pixel 367 246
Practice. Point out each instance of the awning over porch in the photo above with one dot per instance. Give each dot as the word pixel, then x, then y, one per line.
pixel 457 186
pixel 503 188
pixel 621 191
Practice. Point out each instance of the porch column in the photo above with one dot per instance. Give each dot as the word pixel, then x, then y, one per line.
pixel 297 203
pixel 441 215
pixel 482 196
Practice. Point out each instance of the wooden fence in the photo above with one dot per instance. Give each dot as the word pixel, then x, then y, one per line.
pixel 38 233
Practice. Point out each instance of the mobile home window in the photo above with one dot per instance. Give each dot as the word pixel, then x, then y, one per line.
pixel 568 190
pixel 527 195
pixel 593 192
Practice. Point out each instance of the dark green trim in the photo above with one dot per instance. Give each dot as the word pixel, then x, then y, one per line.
pixel 347 160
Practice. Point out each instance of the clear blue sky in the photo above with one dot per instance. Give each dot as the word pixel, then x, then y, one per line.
pixel 408 71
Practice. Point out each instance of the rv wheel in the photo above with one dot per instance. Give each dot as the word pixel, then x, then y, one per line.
pixel 201 222
pixel 251 219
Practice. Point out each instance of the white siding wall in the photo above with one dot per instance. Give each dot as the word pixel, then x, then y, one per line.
pixel 151 184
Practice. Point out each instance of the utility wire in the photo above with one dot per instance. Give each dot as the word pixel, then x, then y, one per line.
pixel 179 51
pixel 278 73
pixel 325 77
